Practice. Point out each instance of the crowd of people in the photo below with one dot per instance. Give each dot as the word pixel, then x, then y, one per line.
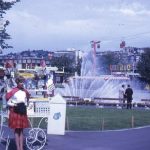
pixel 126 96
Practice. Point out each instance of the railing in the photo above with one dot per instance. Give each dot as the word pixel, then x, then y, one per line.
pixel 101 101
pixel 79 118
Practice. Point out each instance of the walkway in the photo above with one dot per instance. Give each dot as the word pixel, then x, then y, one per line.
pixel 132 139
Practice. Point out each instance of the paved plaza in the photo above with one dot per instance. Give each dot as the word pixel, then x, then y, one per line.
pixel 132 139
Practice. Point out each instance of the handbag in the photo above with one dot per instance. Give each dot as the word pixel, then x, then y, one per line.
pixel 20 108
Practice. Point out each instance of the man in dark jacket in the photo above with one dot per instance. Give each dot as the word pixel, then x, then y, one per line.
pixel 129 93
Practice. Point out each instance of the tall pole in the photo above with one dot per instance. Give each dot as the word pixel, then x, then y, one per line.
pixel 95 45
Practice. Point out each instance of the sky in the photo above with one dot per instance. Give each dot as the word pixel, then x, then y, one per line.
pixel 71 24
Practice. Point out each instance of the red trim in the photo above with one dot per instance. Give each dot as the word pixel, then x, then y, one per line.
pixel 13 91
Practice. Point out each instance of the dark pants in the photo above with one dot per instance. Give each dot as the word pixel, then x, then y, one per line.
pixel 129 104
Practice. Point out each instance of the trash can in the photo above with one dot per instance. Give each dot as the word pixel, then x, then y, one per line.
pixel 57 117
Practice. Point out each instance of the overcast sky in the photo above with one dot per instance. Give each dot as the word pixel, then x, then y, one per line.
pixel 62 24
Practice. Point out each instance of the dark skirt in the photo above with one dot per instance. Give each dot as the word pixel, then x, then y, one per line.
pixel 17 120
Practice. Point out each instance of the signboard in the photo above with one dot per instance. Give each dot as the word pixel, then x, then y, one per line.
pixel 127 67
pixel 26 75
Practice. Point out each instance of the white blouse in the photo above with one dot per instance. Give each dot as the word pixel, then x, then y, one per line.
pixel 18 97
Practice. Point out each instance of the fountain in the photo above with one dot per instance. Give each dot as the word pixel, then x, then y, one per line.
pixel 89 85
pixel 92 84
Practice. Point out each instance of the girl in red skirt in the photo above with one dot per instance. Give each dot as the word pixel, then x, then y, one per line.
pixel 16 120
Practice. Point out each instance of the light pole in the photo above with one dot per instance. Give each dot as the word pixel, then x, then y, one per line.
pixel 95 45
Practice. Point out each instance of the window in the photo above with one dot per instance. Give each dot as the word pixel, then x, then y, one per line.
pixel 28 60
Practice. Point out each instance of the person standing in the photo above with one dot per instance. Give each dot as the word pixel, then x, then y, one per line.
pixel 122 95
pixel 17 100
pixel 129 93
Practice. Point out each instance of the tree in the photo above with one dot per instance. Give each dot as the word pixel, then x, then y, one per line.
pixel 4 6
pixel 106 60
pixel 64 62
pixel 143 65
pixel 78 67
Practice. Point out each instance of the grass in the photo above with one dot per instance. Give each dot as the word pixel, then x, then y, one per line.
pixel 94 119
pixel 84 118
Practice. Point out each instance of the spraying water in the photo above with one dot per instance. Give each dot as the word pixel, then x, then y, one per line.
pixel 89 85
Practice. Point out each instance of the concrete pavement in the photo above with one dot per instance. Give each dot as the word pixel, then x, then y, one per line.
pixel 132 139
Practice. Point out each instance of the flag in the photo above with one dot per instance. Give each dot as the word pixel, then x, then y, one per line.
pixel 50 55
pixel 9 64
pixel 122 44
pixel 51 87
pixel 43 63
pixel 110 67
